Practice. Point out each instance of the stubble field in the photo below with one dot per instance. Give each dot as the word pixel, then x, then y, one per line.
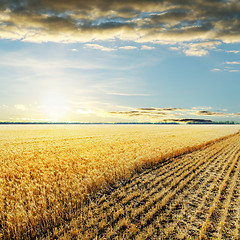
pixel 119 182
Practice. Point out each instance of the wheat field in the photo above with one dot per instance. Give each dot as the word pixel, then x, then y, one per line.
pixel 195 196
pixel 119 182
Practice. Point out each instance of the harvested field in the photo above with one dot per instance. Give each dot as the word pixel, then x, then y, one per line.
pixel 64 182
pixel 195 196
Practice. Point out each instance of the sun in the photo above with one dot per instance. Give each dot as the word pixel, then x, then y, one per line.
pixel 54 105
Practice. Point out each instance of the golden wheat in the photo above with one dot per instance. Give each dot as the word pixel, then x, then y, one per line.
pixel 48 174
pixel 201 203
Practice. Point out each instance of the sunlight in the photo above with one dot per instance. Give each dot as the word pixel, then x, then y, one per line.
pixel 54 105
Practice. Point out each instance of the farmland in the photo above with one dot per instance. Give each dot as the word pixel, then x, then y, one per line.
pixel 193 196
pixel 123 182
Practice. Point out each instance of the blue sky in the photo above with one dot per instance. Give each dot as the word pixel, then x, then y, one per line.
pixel 119 62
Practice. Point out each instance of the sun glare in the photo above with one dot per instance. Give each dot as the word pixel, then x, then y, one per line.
pixel 54 105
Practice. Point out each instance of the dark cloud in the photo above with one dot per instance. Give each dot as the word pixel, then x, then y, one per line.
pixel 159 116
pixel 194 120
pixel 139 113
pixel 172 114
pixel 161 109
pixel 152 113
pixel 209 113
pixel 147 109
pixel 137 20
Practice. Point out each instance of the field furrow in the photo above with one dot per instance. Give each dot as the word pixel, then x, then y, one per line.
pixel 217 196
pixel 206 193
pixel 225 203
pixel 148 192
pixel 194 196
pixel 234 213
pixel 187 201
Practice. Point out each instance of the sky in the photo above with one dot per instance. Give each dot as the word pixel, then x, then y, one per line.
pixel 119 61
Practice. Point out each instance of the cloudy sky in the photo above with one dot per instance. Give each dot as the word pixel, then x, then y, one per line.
pixel 128 60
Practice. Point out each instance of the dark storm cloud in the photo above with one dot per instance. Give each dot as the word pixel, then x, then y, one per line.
pixel 137 20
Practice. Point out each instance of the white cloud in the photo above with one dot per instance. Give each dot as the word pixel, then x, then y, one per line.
pixel 21 107
pixel 216 70
pixel 229 67
pixel 200 48
pixel 233 51
pixel 174 48
pixel 3 106
pixel 44 64
pixel 129 94
pixel 196 49
pixel 85 111
pixel 202 108
pixel 145 47
pixel 128 47
pixel 234 63
pixel 206 44
pixel 100 47
pixel 195 52
pixel 225 70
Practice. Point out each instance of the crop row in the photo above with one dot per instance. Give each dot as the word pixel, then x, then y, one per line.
pixel 192 196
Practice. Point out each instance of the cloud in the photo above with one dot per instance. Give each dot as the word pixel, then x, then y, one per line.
pixel 209 113
pixel 174 48
pixel 229 66
pixel 223 70
pixel 198 48
pixel 196 52
pixel 166 21
pixel 186 120
pixel 21 107
pixel 129 94
pixel 3 106
pixel 16 60
pixel 201 108
pixel 150 113
pixel 137 113
pixel 172 114
pixel 100 47
pixel 162 109
pixel 128 47
pixel 145 47
pixel 234 63
pixel 233 51
pixel 85 111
